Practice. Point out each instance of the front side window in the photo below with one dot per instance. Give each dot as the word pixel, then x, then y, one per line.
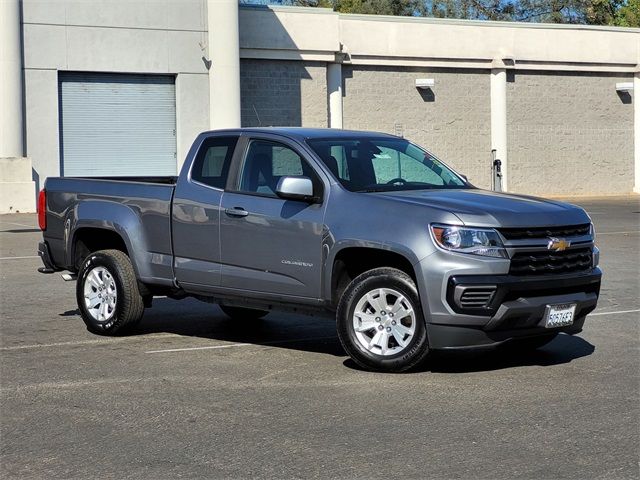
pixel 266 162
pixel 211 165
pixel 370 164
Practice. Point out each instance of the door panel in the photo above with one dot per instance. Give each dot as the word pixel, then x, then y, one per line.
pixel 196 214
pixel 276 248
pixel 268 244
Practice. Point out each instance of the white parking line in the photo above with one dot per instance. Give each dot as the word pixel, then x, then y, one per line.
pixel 18 224
pixel 614 313
pixel 210 347
pixel 153 336
pixel 89 342
pixel 19 258
pixel 229 345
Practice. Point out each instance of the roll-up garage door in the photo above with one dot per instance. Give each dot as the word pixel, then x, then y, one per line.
pixel 117 125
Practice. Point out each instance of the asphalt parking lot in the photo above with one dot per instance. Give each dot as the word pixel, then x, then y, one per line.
pixel 192 394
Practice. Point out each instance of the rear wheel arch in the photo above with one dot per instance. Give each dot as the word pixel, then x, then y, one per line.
pixel 87 240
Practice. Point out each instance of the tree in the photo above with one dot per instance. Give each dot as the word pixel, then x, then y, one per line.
pixel 625 13
pixel 628 15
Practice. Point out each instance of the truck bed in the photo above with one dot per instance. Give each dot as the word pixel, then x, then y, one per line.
pixel 137 208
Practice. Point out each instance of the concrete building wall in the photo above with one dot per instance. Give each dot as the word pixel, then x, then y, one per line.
pixel 371 49
pixel 142 36
pixel 283 93
pixel 569 133
pixel 567 130
pixel 452 120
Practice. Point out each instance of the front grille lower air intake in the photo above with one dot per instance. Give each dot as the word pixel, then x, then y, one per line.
pixel 474 297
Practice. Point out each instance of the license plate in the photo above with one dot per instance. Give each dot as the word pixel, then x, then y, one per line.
pixel 559 315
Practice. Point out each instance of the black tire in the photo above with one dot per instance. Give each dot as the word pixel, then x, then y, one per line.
pixel 129 305
pixel 241 313
pixel 417 347
pixel 529 343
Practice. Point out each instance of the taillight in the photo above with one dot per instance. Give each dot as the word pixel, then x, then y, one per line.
pixel 42 210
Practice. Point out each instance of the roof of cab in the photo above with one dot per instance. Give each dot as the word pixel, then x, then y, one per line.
pixel 302 133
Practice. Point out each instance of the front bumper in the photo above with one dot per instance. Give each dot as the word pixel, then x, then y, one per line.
pixel 516 308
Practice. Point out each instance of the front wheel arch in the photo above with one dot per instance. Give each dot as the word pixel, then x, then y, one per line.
pixel 351 261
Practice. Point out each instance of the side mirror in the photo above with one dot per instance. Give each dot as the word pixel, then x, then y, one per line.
pixel 296 188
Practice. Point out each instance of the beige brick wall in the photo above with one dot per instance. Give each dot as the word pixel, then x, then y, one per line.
pixel 453 121
pixel 569 133
pixel 283 93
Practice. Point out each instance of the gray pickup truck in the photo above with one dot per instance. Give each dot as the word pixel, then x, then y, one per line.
pixel 406 254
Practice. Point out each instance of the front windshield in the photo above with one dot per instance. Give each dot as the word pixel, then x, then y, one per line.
pixel 369 164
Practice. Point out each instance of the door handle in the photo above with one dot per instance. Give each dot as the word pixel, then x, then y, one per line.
pixel 236 212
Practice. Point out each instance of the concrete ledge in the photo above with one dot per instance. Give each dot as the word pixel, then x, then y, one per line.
pixel 17 189
pixel 17 197
pixel 15 169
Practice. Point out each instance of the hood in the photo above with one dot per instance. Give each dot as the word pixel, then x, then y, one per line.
pixel 485 208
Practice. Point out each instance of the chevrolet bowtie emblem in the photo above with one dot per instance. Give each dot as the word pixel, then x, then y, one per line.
pixel 558 244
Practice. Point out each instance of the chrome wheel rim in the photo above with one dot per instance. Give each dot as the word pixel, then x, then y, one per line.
pixel 384 321
pixel 100 294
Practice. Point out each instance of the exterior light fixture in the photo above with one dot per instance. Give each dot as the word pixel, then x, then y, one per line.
pixel 425 83
pixel 624 87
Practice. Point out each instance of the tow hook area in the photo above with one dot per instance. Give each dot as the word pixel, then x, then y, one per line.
pixel 45 256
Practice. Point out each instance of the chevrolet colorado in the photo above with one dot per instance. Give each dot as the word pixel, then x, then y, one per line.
pixel 406 253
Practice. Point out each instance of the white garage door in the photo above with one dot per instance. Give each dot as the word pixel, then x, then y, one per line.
pixel 117 125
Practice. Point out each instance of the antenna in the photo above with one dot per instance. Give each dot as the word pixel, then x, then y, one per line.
pixel 257 116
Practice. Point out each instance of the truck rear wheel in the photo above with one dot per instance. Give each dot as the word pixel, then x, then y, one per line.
pixel 241 313
pixel 380 322
pixel 107 293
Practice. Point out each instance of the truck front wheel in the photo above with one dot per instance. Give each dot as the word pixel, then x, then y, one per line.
pixel 107 293
pixel 380 322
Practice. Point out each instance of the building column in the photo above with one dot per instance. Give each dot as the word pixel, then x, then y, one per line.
pixel 224 72
pixel 334 87
pixel 11 120
pixel 636 130
pixel 499 118
pixel 17 189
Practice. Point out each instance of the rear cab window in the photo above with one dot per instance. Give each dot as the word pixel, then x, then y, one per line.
pixel 213 160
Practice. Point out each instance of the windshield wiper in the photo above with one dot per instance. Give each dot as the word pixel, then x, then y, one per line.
pixel 374 190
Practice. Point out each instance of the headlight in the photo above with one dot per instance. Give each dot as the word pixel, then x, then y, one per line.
pixel 475 241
